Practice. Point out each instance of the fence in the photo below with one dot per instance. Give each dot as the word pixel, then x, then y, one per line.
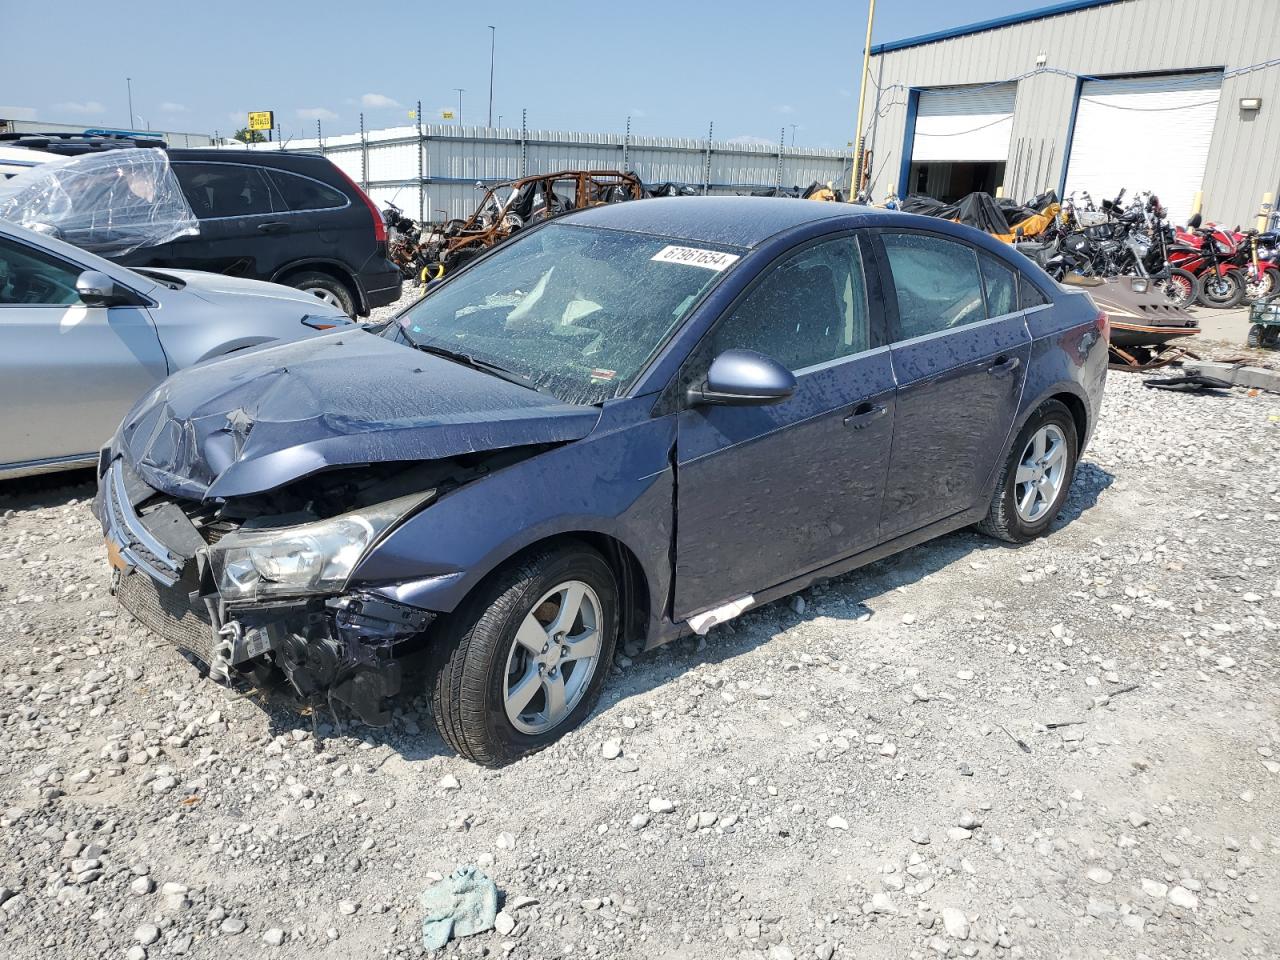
pixel 434 170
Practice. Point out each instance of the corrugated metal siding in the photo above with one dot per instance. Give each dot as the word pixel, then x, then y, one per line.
pixel 1136 36
pixel 454 160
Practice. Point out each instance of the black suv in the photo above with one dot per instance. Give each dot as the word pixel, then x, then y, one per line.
pixel 291 218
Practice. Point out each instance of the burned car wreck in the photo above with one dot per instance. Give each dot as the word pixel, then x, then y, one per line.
pixel 623 425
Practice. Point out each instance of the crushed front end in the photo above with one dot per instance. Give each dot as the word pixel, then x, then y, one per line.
pixel 250 587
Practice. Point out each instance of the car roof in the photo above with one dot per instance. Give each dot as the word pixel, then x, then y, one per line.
pixel 734 221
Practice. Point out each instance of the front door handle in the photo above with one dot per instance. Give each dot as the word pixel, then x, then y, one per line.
pixel 273 227
pixel 865 413
pixel 1003 366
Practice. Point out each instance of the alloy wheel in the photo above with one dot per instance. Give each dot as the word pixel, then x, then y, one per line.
pixel 553 657
pixel 325 296
pixel 1041 471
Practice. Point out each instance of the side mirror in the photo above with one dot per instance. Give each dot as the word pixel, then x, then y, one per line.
pixel 743 378
pixel 1195 221
pixel 98 290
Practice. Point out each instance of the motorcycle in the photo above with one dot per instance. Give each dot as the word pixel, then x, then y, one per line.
pixel 1256 256
pixel 403 239
pixel 1210 254
pixel 1114 241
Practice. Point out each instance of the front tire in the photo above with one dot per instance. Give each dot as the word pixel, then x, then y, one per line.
pixel 1180 288
pixel 1036 476
pixel 522 661
pixel 1221 290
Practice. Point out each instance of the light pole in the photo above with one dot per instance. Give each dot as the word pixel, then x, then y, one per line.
pixel 128 81
pixel 461 91
pixel 855 171
pixel 493 39
pixel 793 133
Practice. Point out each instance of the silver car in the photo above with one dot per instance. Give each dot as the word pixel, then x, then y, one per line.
pixel 82 338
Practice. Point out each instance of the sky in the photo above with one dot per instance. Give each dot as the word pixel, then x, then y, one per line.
pixel 753 68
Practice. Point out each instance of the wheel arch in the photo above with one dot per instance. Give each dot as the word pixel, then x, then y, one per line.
pixel 1070 396
pixel 634 596
pixel 333 268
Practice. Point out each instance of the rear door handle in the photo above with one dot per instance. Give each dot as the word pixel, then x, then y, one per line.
pixel 1004 366
pixel 865 413
pixel 274 227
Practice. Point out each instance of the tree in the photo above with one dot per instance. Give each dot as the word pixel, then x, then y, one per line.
pixel 245 135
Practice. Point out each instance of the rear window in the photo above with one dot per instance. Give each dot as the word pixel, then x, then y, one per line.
pixel 303 193
pixel 937 283
pixel 224 189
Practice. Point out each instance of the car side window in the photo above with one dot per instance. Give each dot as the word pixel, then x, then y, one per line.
pixel 32 278
pixel 224 189
pixel 303 193
pixel 1001 286
pixel 1030 293
pixel 937 282
pixel 809 309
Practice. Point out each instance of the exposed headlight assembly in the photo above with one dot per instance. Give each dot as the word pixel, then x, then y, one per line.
pixel 303 559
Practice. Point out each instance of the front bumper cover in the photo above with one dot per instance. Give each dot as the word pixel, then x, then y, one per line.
pixel 342 648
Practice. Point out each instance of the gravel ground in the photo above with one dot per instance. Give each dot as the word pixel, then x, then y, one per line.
pixel 1068 749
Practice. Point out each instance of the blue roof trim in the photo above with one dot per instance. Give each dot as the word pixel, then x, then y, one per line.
pixel 1070 6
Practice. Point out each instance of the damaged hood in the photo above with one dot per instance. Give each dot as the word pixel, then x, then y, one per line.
pixel 249 424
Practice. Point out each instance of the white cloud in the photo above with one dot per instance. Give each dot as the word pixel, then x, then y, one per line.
pixel 746 141
pixel 377 101
pixel 316 113
pixel 170 107
pixel 75 106
pixel 638 112
pixel 786 108
pixel 18 113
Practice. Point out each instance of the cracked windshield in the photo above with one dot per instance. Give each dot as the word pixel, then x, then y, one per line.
pixel 572 311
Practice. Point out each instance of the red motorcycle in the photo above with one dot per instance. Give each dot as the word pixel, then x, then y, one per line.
pixel 1256 255
pixel 1211 255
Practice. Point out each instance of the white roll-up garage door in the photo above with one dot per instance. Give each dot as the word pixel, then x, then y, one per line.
pixel 1144 133
pixel 964 124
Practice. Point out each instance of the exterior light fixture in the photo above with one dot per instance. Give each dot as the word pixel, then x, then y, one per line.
pixel 1250 103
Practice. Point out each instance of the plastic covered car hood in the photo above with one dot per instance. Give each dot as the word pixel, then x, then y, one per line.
pixel 249 424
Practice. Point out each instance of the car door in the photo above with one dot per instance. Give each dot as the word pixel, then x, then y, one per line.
pixel 239 222
pixel 960 353
pixel 68 372
pixel 766 493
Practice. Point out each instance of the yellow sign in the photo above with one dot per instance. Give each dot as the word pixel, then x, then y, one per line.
pixel 262 119
pixel 446 114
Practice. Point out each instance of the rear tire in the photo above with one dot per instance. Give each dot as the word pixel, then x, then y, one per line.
pixel 1030 491
pixel 326 289
pixel 487 650
pixel 1221 291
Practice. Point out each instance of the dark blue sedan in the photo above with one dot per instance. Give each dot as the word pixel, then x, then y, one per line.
pixel 621 426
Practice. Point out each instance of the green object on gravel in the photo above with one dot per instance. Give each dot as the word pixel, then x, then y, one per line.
pixel 462 904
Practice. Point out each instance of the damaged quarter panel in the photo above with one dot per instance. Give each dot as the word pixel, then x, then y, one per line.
pixel 618 483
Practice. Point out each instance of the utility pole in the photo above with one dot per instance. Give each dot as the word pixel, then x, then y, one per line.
pixel 460 93
pixel 855 172
pixel 493 39
pixel 129 85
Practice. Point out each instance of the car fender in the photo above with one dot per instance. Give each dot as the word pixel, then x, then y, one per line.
pixel 617 483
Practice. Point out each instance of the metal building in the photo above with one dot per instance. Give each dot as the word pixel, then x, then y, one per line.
pixel 1180 97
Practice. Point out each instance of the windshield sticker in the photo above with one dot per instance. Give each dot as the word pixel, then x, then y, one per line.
pixel 599 375
pixel 694 257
